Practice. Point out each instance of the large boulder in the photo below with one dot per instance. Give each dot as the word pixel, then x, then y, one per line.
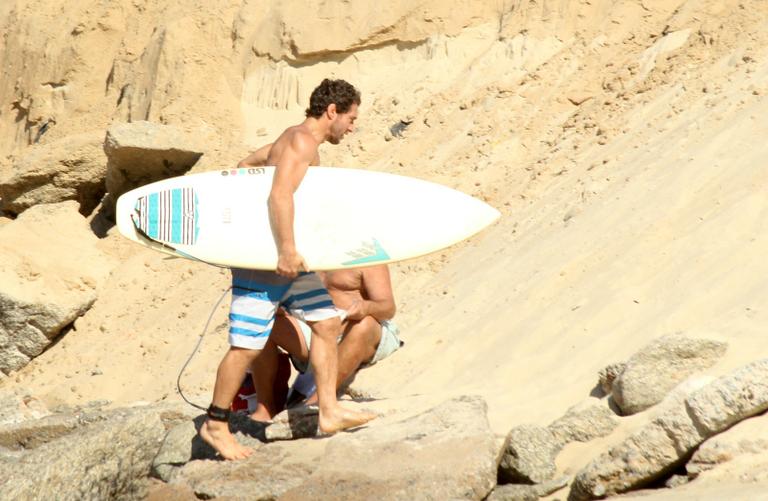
pixel 447 452
pixel 660 366
pixel 667 441
pixel 139 153
pixel 72 168
pixel 50 268
pixel 105 460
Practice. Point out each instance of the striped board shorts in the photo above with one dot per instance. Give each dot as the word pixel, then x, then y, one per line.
pixel 256 296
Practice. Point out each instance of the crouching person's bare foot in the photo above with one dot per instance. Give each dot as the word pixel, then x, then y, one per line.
pixel 217 435
pixel 338 418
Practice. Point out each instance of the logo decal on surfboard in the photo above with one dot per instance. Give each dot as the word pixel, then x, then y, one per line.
pixel 241 171
pixel 368 252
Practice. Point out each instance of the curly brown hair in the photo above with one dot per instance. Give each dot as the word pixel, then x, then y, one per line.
pixel 339 92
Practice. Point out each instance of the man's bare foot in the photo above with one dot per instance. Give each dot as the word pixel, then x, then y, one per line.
pixel 342 419
pixel 217 435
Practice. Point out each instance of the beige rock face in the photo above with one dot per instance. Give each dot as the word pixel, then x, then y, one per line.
pixel 72 168
pixel 139 153
pixel 49 275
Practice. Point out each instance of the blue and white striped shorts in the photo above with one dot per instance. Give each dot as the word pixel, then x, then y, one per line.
pixel 256 296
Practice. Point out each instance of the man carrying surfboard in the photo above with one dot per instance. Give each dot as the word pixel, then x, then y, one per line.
pixel 256 295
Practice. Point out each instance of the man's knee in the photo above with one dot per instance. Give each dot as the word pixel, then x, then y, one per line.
pixel 327 329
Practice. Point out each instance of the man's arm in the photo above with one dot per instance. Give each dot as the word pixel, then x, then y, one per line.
pixel 290 169
pixel 257 158
pixel 377 289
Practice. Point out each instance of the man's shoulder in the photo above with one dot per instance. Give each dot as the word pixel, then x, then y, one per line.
pixel 300 137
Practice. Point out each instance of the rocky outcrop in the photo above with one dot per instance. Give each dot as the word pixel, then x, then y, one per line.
pixel 183 444
pixel 139 153
pixel 657 368
pixel 50 269
pixel 104 460
pixel 72 168
pixel 529 451
pixel 669 439
pixel 447 452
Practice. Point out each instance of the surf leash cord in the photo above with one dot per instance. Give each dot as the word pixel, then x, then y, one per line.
pixel 197 347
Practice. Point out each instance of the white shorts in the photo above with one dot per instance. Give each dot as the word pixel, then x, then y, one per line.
pixel 388 344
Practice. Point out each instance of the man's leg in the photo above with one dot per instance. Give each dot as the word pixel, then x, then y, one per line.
pixel 357 347
pixel 324 359
pixel 264 374
pixel 270 373
pixel 229 377
pixel 255 296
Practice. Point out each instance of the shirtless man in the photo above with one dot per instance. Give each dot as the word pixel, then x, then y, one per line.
pixel 368 335
pixel 256 295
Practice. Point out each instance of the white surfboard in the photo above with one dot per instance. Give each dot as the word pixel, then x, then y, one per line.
pixel 344 218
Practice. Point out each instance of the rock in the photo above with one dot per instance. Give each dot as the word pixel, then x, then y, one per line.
pixel 660 366
pixel 183 444
pixel 746 438
pixel 529 452
pixel 180 445
pixel 10 455
pixel 159 491
pixel 139 153
pixel 586 421
pixel 522 492
pixel 72 168
pixel 15 408
pixel 269 472
pixel 514 492
pixel 647 455
pixel 608 375
pixel 291 424
pixel 105 460
pixel 662 445
pixel 731 398
pixel 33 433
pixel 447 452
pixel 529 455
pixel 41 292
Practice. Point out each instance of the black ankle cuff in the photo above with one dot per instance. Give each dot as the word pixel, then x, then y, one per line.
pixel 218 414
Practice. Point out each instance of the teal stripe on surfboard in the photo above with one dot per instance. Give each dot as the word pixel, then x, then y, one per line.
pixel 177 216
pixel 153 208
pixel 171 216
pixel 378 254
